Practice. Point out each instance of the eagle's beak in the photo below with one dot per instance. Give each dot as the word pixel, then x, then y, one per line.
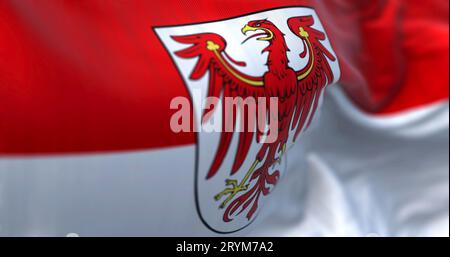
pixel 247 28
pixel 267 33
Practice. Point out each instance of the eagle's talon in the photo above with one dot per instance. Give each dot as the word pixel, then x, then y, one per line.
pixel 235 187
pixel 230 191
pixel 231 182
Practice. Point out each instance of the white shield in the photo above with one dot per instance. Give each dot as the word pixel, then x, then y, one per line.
pixel 207 143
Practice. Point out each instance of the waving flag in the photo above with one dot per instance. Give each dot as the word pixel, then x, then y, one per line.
pixel 86 104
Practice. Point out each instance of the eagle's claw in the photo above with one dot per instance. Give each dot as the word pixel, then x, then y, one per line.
pixel 232 191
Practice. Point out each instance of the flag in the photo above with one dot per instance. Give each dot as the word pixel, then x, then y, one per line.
pixel 90 93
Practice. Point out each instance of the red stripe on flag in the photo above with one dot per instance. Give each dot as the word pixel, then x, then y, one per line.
pixel 79 76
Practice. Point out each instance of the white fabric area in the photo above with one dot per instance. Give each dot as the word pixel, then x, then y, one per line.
pixel 349 175
pixel 363 175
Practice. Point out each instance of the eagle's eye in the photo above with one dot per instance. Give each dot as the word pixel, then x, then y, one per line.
pixel 258 25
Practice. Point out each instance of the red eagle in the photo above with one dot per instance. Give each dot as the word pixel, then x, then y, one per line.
pixel 297 91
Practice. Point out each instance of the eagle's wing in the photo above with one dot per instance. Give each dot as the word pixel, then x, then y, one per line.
pixel 225 81
pixel 313 78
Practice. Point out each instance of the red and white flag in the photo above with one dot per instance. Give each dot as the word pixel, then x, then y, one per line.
pixel 114 117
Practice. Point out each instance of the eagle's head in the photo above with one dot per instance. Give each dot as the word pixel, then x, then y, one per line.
pixel 267 28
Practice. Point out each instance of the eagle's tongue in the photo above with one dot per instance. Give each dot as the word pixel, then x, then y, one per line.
pixel 254 35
